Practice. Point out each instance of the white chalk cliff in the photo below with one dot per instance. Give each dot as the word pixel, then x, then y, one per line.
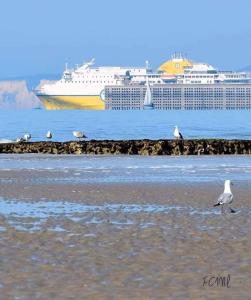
pixel 15 94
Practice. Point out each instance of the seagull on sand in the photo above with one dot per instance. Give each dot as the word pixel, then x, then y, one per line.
pixel 27 137
pixel 48 135
pixel 79 135
pixel 177 133
pixel 226 198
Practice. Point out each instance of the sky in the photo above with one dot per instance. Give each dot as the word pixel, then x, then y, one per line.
pixel 40 36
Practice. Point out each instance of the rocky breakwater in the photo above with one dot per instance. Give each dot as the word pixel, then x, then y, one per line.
pixel 133 147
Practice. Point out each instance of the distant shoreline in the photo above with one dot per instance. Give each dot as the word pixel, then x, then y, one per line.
pixel 133 147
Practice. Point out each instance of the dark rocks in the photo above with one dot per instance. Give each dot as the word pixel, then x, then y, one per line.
pixel 133 147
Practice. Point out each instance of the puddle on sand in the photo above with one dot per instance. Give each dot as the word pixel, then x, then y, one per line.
pixel 33 216
pixel 44 209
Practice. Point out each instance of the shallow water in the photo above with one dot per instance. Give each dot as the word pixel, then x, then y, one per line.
pixel 112 169
pixel 38 212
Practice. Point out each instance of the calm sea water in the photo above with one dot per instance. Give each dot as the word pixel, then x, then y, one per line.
pixel 125 124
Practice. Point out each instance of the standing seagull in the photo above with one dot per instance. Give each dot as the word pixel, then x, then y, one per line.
pixel 79 135
pixel 226 198
pixel 177 133
pixel 27 137
pixel 48 135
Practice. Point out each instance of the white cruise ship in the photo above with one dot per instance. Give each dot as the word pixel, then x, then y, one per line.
pixel 83 87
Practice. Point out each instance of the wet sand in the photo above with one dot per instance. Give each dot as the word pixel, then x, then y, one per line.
pixel 69 240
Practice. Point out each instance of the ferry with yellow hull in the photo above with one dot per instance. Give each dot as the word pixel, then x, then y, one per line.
pixel 84 86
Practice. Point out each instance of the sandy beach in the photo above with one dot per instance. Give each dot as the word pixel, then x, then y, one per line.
pixel 69 240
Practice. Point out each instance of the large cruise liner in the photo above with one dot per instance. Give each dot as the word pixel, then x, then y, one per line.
pixel 85 87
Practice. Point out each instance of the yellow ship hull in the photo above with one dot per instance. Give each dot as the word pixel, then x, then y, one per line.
pixel 72 102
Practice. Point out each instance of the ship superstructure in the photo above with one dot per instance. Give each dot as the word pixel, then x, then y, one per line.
pixel 84 87
pixel 201 73
pixel 180 70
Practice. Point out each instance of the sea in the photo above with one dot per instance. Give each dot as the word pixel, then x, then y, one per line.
pixel 151 124
pixel 117 125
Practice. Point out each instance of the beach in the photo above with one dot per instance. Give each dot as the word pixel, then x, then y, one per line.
pixel 83 229
pixel 125 150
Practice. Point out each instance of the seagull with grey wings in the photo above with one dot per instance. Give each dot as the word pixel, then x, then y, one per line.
pixel 79 135
pixel 177 134
pixel 226 197
pixel 27 137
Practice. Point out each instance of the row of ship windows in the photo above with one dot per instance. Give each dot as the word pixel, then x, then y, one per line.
pixel 109 82
pixel 210 76
pixel 198 76
pixel 125 93
pixel 90 77
pixel 118 90
pixel 196 91
pixel 180 103
pixel 156 105
pixel 181 107
pixel 202 94
pixel 200 100
pixel 123 102
pixel 169 90
pixel 180 90
pixel 185 99
pixel 125 98
pixel 205 106
pixel 195 81
pixel 123 107
pixel 186 95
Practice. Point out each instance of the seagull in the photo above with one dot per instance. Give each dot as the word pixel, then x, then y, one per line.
pixel 226 197
pixel 48 135
pixel 27 137
pixel 79 135
pixel 177 133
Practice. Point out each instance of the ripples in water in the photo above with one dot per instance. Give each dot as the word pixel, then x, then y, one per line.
pixel 108 169
pixel 32 216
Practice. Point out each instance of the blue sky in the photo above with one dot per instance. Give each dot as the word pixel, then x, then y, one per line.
pixel 39 36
